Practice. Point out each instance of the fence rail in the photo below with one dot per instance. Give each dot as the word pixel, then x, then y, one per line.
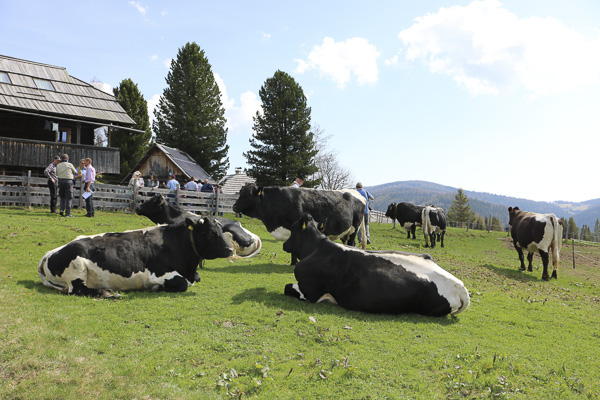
pixel 28 191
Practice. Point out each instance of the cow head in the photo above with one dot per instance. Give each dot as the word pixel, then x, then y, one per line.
pixel 207 238
pixel 305 234
pixel 247 200
pixel 156 209
pixel 391 211
pixel 512 214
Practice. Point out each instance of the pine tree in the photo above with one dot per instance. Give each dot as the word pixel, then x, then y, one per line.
pixel 282 141
pixel 460 210
pixel 132 145
pixel 573 230
pixel 597 231
pixel 190 115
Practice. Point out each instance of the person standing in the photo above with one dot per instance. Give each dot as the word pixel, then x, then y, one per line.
pixel 65 172
pixel 50 173
pixel 173 186
pixel 368 196
pixel 191 185
pixel 90 178
pixel 299 181
pixel 207 187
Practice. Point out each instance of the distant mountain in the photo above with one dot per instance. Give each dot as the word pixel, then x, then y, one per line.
pixel 485 204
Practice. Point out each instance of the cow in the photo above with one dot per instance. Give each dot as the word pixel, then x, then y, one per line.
pixel 408 216
pixel 536 233
pixel 159 258
pixel 243 242
pixel 340 211
pixel 390 282
pixel 434 224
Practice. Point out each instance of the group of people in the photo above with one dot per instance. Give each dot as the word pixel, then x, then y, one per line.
pixel 299 181
pixel 62 175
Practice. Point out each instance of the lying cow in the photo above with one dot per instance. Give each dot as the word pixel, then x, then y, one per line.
pixel 159 258
pixel 372 281
pixel 434 224
pixel 243 242
pixel 536 233
pixel 340 212
pixel 408 216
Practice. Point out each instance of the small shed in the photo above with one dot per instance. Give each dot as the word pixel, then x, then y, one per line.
pixel 231 184
pixel 163 161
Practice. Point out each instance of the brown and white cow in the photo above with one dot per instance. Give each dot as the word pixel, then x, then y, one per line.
pixel 536 232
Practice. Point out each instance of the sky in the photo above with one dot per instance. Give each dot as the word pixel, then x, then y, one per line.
pixel 491 96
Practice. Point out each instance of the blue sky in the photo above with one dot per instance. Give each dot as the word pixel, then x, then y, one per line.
pixel 491 96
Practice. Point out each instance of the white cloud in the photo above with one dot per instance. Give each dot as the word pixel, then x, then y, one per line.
pixel 153 57
pixel 167 63
pixel 392 61
pixel 152 103
pixel 266 36
pixel 141 9
pixel 341 60
pixel 239 119
pixel 105 87
pixel 487 49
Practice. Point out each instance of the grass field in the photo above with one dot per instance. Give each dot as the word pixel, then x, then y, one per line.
pixel 235 335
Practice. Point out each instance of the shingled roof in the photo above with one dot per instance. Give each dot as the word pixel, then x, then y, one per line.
pixel 29 86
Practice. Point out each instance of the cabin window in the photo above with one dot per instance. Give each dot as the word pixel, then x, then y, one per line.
pixel 4 78
pixel 43 84
pixel 63 135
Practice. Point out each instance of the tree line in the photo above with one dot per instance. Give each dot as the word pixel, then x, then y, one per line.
pixel 190 116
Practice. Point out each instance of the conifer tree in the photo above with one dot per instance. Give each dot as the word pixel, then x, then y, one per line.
pixel 572 229
pixel 460 210
pixel 597 231
pixel 283 145
pixel 132 145
pixel 190 115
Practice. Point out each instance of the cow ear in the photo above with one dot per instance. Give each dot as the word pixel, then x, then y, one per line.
pixel 190 223
pixel 510 209
pixel 321 227
pixel 260 190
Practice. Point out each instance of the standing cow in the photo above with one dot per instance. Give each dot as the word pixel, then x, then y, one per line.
pixel 408 216
pixel 536 233
pixel 434 224
pixel 390 282
pixel 159 258
pixel 340 212
pixel 243 242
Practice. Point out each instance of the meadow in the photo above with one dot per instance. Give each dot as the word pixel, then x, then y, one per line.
pixel 235 335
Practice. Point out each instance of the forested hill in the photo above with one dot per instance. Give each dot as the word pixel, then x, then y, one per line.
pixel 485 204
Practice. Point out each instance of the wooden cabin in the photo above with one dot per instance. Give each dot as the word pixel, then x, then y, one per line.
pixel 163 161
pixel 45 112
pixel 231 184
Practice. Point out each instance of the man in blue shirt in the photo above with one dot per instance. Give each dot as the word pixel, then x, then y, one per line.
pixel 173 185
pixel 207 187
pixel 368 196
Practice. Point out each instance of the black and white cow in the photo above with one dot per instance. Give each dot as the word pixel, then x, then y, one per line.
pixel 434 223
pixel 340 211
pixel 390 282
pixel 408 216
pixel 536 233
pixel 159 258
pixel 243 242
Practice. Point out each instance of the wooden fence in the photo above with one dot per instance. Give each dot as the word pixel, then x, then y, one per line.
pixel 28 191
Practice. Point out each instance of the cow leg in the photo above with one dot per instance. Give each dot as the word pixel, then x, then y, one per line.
pixel 530 262
pixel 413 229
pixel 442 238
pixel 521 257
pixel 294 259
pixel 426 240
pixel 80 289
pixel 545 258
pixel 175 284
pixel 432 238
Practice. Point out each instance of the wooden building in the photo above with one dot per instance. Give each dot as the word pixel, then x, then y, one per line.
pixel 231 184
pixel 163 161
pixel 45 112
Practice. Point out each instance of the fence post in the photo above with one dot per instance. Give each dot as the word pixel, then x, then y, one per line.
pixel 573 246
pixel 216 201
pixel 28 190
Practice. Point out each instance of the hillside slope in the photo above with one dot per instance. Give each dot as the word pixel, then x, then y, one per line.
pixel 485 204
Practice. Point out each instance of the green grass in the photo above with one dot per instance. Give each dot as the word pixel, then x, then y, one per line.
pixel 235 335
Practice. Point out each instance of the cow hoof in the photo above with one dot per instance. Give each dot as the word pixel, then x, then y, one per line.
pixel 545 278
pixel 554 275
pixel 530 269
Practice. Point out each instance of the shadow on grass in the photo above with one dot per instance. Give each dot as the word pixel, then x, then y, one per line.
pixel 514 273
pixel 280 301
pixel 130 294
pixel 253 269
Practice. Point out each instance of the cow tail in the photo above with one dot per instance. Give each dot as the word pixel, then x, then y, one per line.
pixel 425 220
pixel 557 240
pixel 363 231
